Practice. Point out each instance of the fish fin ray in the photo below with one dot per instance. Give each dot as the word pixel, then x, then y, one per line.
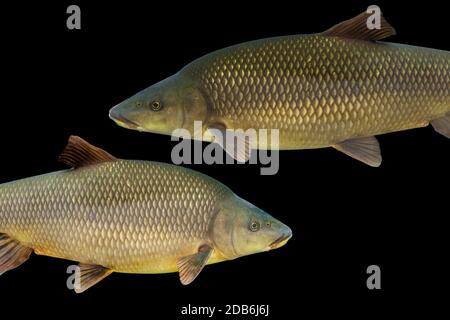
pixel 190 267
pixel 442 125
pixel 12 253
pixel 356 28
pixel 365 149
pixel 90 275
pixel 240 149
pixel 79 153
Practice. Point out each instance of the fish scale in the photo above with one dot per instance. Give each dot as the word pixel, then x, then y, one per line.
pixel 91 215
pixel 306 85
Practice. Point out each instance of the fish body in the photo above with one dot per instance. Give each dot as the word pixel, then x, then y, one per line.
pixel 320 90
pixel 131 216
pixel 338 88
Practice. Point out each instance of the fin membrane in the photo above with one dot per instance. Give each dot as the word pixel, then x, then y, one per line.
pixel 366 150
pixel 79 153
pixel 240 146
pixel 442 125
pixel 189 267
pixel 357 28
pixel 91 274
pixel 12 253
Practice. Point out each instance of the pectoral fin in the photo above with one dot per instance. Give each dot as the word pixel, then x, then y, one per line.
pixel 366 150
pixel 12 253
pixel 236 143
pixel 442 125
pixel 189 267
pixel 91 274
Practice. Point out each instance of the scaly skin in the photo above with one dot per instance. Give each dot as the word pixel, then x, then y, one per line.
pixel 129 216
pixel 320 90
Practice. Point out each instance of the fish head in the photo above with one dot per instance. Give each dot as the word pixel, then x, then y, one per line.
pixel 242 229
pixel 163 108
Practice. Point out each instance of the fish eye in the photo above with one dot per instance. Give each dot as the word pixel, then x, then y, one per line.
pixel 156 105
pixel 253 225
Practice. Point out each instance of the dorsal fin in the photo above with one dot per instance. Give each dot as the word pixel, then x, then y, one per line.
pixel 79 153
pixel 357 28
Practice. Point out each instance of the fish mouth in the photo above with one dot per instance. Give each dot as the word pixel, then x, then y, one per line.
pixel 122 121
pixel 281 241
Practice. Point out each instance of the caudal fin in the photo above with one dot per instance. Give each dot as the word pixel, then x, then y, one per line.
pixel 442 125
pixel 12 253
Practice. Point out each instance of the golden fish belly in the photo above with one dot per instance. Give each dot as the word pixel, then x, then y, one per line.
pixel 319 90
pixel 129 216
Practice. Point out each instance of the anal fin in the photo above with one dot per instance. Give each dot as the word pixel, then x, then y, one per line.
pixel 366 150
pixel 91 274
pixel 189 267
pixel 442 125
pixel 12 253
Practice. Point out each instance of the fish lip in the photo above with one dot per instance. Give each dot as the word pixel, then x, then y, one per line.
pixel 122 121
pixel 280 240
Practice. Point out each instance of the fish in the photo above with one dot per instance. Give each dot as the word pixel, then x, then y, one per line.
pixel 339 88
pixel 129 216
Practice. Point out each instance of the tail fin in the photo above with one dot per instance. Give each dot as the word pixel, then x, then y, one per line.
pixel 12 253
pixel 442 125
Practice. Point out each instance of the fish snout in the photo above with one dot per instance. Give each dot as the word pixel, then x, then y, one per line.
pixel 116 116
pixel 286 234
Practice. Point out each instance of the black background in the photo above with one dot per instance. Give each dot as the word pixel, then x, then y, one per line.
pixel 344 214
